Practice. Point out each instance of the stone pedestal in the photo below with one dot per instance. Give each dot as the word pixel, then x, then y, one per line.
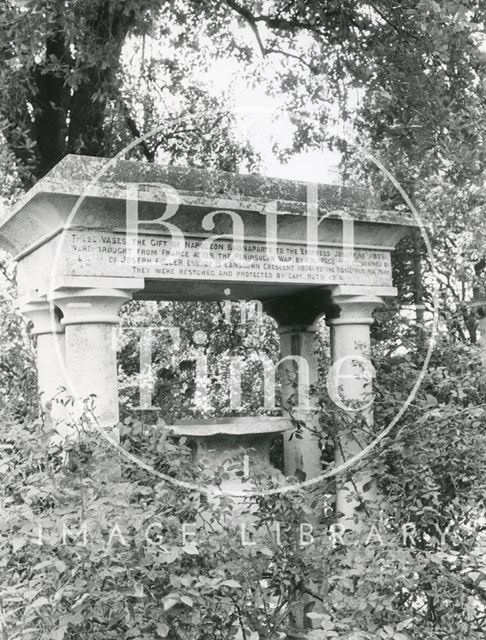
pixel 350 388
pixel 223 442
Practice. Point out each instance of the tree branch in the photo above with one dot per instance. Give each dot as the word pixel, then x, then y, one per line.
pixel 135 131
pixel 247 15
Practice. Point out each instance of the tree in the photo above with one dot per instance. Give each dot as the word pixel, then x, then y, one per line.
pixel 62 78
pixel 417 69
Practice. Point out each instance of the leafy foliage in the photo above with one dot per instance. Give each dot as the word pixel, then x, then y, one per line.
pixel 408 82
pixel 416 571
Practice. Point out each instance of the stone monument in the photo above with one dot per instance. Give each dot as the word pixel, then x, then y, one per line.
pixel 217 441
pixel 93 235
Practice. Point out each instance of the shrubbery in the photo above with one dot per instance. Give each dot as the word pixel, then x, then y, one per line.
pixel 417 571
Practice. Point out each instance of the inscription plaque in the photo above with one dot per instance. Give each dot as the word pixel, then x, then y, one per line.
pixel 98 253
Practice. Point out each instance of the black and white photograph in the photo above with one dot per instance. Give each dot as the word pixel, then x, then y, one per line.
pixel 242 320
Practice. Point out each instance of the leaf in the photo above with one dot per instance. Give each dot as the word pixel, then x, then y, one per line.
pixel 405 624
pixel 60 566
pixel 169 556
pixel 39 602
pixel 431 400
pixel 367 486
pixel 191 549
pixel 80 600
pixel 18 542
pixel 168 603
pixel 59 633
pixel 233 584
pixel 187 601
pixel 162 629
pixel 42 565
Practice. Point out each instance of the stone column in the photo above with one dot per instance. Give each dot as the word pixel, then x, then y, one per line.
pixel 297 318
pixel 51 348
pixel 90 318
pixel 482 334
pixel 350 388
pixel 301 454
pixel 296 315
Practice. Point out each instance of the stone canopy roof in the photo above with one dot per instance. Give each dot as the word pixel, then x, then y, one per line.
pixel 108 178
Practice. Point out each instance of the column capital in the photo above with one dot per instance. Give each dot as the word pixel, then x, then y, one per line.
pixel 43 314
pixel 355 305
pixel 301 309
pixel 355 309
pixel 90 305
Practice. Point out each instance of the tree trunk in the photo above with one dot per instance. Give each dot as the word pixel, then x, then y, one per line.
pixel 51 104
pixel 109 26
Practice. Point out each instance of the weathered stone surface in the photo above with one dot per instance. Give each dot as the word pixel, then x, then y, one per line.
pixel 212 183
pixel 77 194
pixel 245 425
pixel 87 239
pixel 91 253
pixel 86 220
pixel 217 440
